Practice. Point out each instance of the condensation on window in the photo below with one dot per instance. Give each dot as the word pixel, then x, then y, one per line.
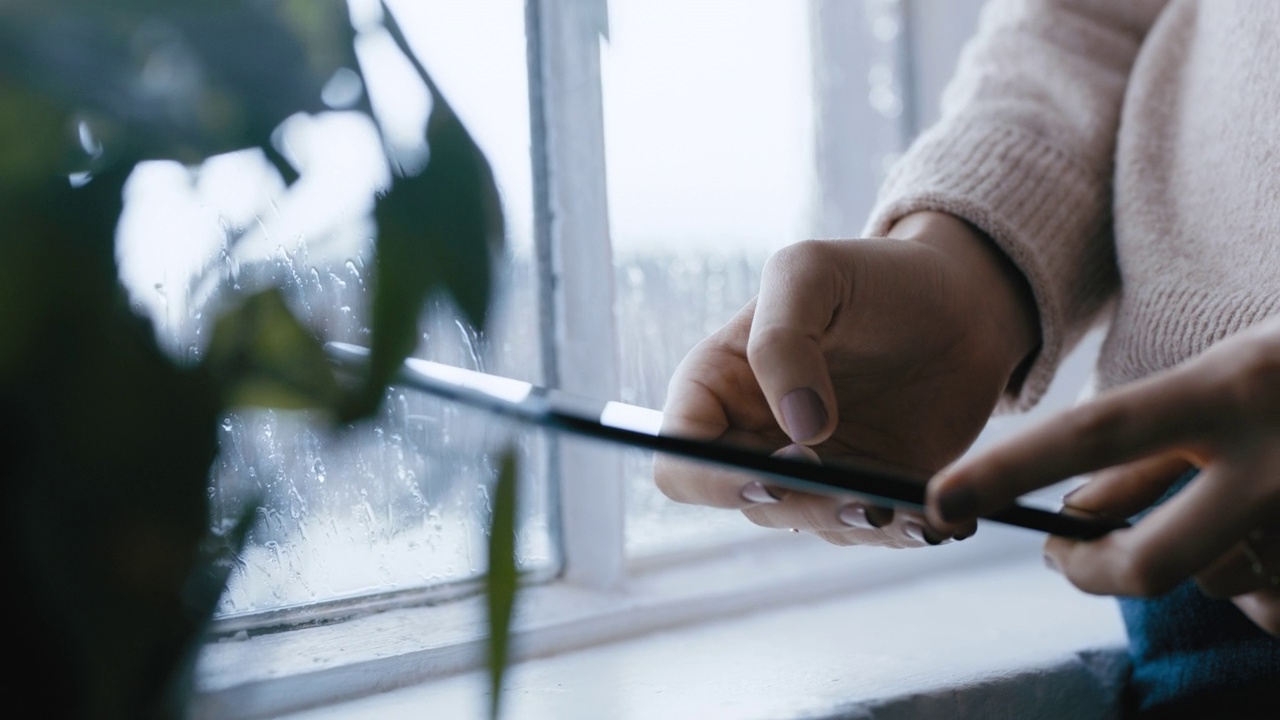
pixel 400 501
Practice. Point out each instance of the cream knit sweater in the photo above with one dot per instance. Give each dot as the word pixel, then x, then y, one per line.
pixel 1125 154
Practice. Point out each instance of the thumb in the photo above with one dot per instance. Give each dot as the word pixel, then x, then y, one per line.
pixel 799 294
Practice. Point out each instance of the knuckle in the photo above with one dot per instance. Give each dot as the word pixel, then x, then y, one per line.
pixel 765 340
pixel 799 259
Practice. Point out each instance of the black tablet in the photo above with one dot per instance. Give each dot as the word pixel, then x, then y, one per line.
pixel 635 426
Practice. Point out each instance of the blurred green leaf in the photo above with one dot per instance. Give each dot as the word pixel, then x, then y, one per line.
pixel 440 229
pixel 324 29
pixel 502 579
pixel 174 79
pixel 287 171
pixel 37 138
pixel 106 463
pixel 472 224
pixel 106 466
pixel 262 356
pixel 29 270
pixel 204 589
pixel 56 236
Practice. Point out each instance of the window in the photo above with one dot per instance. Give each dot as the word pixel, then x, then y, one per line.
pixel 713 116
pixel 398 504
pixel 651 155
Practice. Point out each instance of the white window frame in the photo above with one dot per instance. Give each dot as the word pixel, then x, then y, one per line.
pixel 601 595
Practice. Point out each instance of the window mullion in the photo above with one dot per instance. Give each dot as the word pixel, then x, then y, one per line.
pixel 865 108
pixel 576 272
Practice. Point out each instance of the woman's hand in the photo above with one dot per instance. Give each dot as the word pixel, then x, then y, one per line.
pixel 889 350
pixel 1219 412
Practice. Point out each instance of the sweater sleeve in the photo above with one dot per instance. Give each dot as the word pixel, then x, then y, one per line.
pixel 1024 151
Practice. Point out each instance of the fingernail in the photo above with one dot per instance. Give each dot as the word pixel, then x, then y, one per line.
pixel 1052 564
pixel 855 515
pixel 915 531
pixel 957 504
pixel 756 492
pixel 803 413
pixel 796 451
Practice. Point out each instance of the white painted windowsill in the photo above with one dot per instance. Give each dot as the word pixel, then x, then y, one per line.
pixel 956 632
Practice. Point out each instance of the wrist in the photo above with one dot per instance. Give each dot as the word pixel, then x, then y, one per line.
pixel 1006 313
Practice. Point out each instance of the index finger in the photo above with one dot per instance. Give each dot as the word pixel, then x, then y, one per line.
pixel 1171 409
pixel 799 294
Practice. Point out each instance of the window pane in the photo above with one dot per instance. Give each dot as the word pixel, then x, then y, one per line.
pixel 708 128
pixel 711 132
pixel 400 502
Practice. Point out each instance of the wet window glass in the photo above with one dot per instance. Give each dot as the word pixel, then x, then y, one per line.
pixel 402 501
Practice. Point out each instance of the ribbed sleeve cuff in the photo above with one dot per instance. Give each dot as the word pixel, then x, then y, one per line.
pixel 1047 211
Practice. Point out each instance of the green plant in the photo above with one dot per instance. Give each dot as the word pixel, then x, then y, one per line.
pixel 107 441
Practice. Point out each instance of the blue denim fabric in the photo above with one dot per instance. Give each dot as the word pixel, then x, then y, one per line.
pixel 1194 657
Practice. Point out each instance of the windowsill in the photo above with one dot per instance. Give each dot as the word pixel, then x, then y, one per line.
pixel 973 626
pixel 1011 640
